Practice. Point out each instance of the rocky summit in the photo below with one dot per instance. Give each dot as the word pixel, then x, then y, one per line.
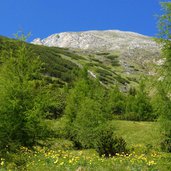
pixel 108 40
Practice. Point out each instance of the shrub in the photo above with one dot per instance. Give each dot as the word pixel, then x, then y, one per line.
pixel 88 120
pixel 102 53
pixel 109 145
pixel 166 143
pixel 112 57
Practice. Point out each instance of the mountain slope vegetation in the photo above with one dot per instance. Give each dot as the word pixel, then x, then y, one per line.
pixel 109 67
pixel 57 67
pixel 112 56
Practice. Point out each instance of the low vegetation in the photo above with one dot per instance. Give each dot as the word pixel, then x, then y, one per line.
pixel 61 155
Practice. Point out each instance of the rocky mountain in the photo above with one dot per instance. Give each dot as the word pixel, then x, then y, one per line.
pixel 110 55
pixel 109 40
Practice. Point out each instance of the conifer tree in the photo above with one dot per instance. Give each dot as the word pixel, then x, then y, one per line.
pixel 85 111
pixel 23 97
pixel 164 80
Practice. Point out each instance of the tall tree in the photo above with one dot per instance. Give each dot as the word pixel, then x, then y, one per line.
pixel 164 83
pixel 138 105
pixel 23 97
pixel 85 111
pixel 116 102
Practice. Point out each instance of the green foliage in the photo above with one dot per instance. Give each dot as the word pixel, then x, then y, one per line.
pixel 85 111
pixel 164 23
pixel 108 145
pixel 23 98
pixel 56 108
pixel 87 122
pixel 103 53
pixel 138 105
pixel 52 57
pixel 103 72
pixel 166 143
pixel 115 63
pixel 117 101
pixel 164 109
pixel 164 85
pixel 55 65
pixel 121 80
pixel 132 105
pixel 112 57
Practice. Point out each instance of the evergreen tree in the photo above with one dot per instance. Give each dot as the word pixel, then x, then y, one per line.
pixel 23 98
pixel 138 106
pixel 85 111
pixel 164 80
pixel 117 101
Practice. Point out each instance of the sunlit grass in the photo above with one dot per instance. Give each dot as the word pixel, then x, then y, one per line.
pixel 145 133
pixel 61 155
pixel 48 159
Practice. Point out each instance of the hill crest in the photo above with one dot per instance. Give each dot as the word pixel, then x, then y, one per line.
pixel 107 40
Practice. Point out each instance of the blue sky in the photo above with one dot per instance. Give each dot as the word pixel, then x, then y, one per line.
pixel 45 17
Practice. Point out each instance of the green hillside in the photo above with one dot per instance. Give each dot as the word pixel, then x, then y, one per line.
pixel 108 67
pixel 56 66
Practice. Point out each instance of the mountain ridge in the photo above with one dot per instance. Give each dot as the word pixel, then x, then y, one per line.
pixel 106 40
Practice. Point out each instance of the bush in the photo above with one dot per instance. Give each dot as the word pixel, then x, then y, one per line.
pixel 166 144
pixel 109 145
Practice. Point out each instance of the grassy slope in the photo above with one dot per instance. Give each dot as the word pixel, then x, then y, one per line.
pixel 107 68
pixel 145 133
pixel 60 62
pixel 55 64
pixel 137 135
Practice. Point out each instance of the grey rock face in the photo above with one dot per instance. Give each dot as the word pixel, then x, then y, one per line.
pixel 109 40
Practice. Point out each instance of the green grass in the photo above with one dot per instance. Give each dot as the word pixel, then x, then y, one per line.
pixel 146 133
pixel 61 155
pixel 143 138
pixel 143 134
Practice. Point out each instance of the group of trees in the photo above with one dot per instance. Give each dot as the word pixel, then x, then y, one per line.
pixel 88 113
pixel 24 98
pixel 135 105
